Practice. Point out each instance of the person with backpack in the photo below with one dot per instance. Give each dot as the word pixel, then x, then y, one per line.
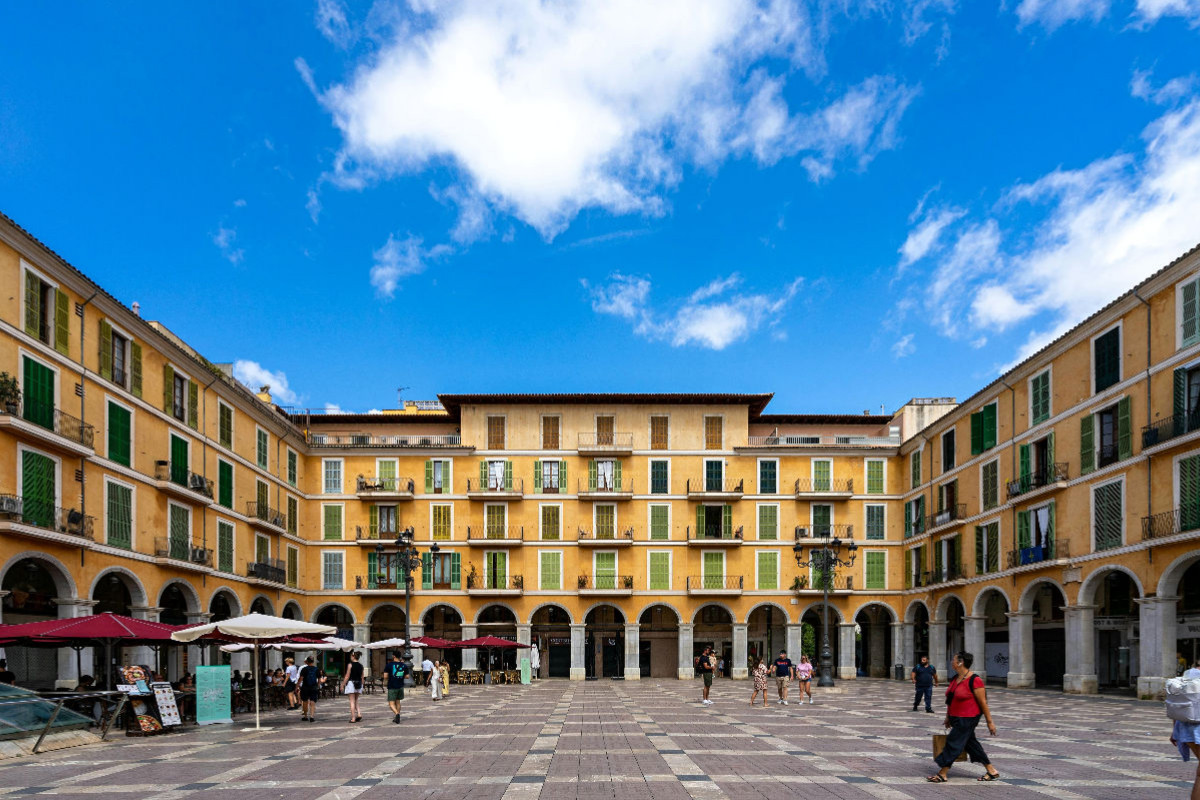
pixel 1183 708
pixel 310 689
pixel 705 666
pixel 395 685
pixel 966 701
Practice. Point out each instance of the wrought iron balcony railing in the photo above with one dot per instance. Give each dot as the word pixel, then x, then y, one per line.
pixel 43 515
pixel 498 583
pixel 264 513
pixel 598 441
pixel 944 575
pixel 52 419
pixel 715 582
pixel 517 486
pixel 416 441
pixel 838 583
pixel 182 476
pixel 383 534
pixel 823 530
pixel 713 486
pixel 1168 428
pixel 382 580
pixel 180 549
pixel 390 484
pixel 1047 475
pixel 946 516
pixel 606 535
pixel 510 533
pixel 272 569
pixel 824 486
pixel 601 582
pixel 604 486
pixel 1169 523
pixel 1023 556
pixel 824 440
pixel 714 535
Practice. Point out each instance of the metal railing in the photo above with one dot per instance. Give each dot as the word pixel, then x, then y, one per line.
pixel 838 583
pixel 602 486
pixel 824 485
pixel 824 531
pixel 505 583
pixel 1168 428
pixel 946 516
pixel 1047 475
pixel 1036 555
pixel 715 582
pixel 496 533
pixel 703 485
pixel 823 440
pixel 179 549
pixel 263 512
pixel 53 419
pixel 390 484
pixel 1169 523
pixel 517 487
pixel 181 476
pixel 606 536
pixel 1107 454
pixel 272 569
pixel 594 440
pixel 603 582
pixel 943 575
pixel 703 536
pixel 380 534
pixel 413 440
pixel 42 515
pixel 383 580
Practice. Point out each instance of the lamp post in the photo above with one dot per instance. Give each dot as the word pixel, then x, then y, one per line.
pixel 407 558
pixel 825 559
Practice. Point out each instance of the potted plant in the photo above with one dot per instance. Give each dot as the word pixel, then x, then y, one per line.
pixel 10 392
pixel 799 583
pixel 628 580
pixel 583 581
pixel 518 581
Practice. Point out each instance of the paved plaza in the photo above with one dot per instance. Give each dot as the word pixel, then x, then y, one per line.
pixel 643 740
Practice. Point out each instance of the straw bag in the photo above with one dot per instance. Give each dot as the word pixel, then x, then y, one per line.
pixel 939 744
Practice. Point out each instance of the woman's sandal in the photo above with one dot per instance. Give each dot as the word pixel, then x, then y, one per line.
pixel 990 776
pixel 937 779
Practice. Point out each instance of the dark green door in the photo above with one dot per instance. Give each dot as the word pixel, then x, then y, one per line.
pixel 39 394
pixel 37 489
pixel 179 460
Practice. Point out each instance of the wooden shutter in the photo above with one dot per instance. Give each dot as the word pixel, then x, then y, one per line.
pixel 1108 511
pixel 658 522
pixel 62 322
pixel 135 369
pixel 592 475
pixel 373 569
pixel 874 477
pixel 1191 313
pixel 1108 359
pixel 989 427
pixel 956 543
pixel 1124 430
pixel 977 433
pixel 993 547
pixel 483 476
pixel 821 476
pixel 33 305
pixel 225 484
pixel 562 476
pixel 106 359
pixel 455 570
pixel 373 520
pixel 169 389
pixel 537 476
pixel 426 571
pixel 1026 468
pixel 508 476
pixel 1087 446
pixel 1189 493
pixel 726 521
pixel 118 434
pixel 979 565
pixel 768 522
pixel 1023 527
pixel 908 527
pixel 699 522
pixel 193 411
pixel 617 476
pixel 428 476
pixel 293 566
pixel 1050 528
pixel 938 560
pixel 919 522
pixel 1051 475
pixel 908 571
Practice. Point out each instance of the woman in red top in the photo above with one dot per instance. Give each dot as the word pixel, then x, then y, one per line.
pixel 966 699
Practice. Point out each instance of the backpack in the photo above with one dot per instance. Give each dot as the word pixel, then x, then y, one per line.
pixel 1183 700
pixel 310 677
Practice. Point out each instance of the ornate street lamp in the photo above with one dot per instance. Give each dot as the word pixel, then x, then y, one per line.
pixel 825 559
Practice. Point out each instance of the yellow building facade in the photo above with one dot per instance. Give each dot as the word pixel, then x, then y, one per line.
pixel 1050 522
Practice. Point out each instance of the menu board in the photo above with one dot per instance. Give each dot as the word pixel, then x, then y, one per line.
pixel 525 670
pixel 214 695
pixel 168 711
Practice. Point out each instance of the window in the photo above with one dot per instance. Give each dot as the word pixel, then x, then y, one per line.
pixel 496 521
pixel 714 522
pixel 1188 310
pixel 293 514
pixel 225 425
pixel 947 555
pixel 114 354
pixel 332 570
pixel 915 461
pixel 47 312
pixel 38 389
pixel 822 520
pixel 606 521
pixel 262 548
pixel 1039 398
pixel 293 566
pixel 332 468
pixel 495 433
pixel 604 570
pixel 989 475
pixel 768 570
pixel 39 489
pixel 386 476
pixel 437 476
pixel 120 427
pixel 875 569
pixel 1108 518
pixel 1189 493
pixel 822 474
pixel 914 565
pixel 224 546
pixel 1105 437
pixel 551 522
pixel 1036 464
pixel 440 522
pixel 1035 534
pixel 659 567
pixel 331 517
pixel 549 476
pixel 714 430
pixel 263 506
pixel 179 532
pixel 660 477
pixel 948 454
pixel 987 548
pixel 914 517
pixel 550 570
pixel 383 521
pixel 947 502
pixel 875 480
pixel 714 473
pixel 660 522
pixel 713 569
pixel 768 522
pixel 876 516
pixel 496 475
pixel 260 437
pixel 441 572
pixel 495 570
pixel 225 483
pixel 118 530
pixel 179 397
pixel 291 467
pixel 768 476
pixel 605 430
pixel 604 476
pixel 551 430
pixel 179 460
pixel 659 427
pixel 1106 359
pixel 983 429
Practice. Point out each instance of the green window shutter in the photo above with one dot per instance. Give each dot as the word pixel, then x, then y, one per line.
pixel 876 570
pixel 1189 493
pixel 1040 397
pixel 915 460
pixel 617 476
pixel 1124 430
pixel 105 350
pixel 767 482
pixel 768 571
pixel 820 520
pixel 224 547
pixel 658 522
pixel 908 571
pixel 1023 528
pixel 699 522
pixel 373 521
pixel 193 411
pixel 483 476
pixel 332 523
pixel 120 516
pixel 293 512
pixel 592 475
pixel 118 434
pixel 1108 516
pixel 1107 362
pixel 537 476
pixel 726 521
pixel 387 474
pixel 428 476
pixel 660 572
pixel 1050 453
pixel 33 304
pixel 1191 313
pixel 977 433
pixel 875 522
pixel 874 477
pixel 1180 398
pixel 938 560
pixel 455 570
pixel 821 475
pixel 562 476
pixel 291 468
pixel 62 322
pixel 225 484
pixel 261 496
pixel 373 569
pixel 993 547
pixel 989 427
pixel 135 369
pixel 1026 468
pixel 713 568
pixel 919 511
pixel 1087 447
pixel 508 476
pixel 550 572
pixel 293 566
pixel 168 389
pixel 908 526
pixel 1050 527
pixel 979 566
pixel 768 522
pixel 957 545
pixel 179 460
pixel 427 570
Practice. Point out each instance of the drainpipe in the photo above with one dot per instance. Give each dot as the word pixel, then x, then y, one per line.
pixel 1012 433
pixel 204 455
pixel 1149 485
pixel 82 375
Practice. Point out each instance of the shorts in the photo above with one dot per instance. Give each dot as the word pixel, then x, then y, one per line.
pixel 707 679
pixel 352 688
pixel 308 695
pixel 780 683
pixel 395 694
pixel 289 687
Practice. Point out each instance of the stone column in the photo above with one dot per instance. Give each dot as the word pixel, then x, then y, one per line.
pixel 937 647
pixel 1079 623
pixel 738 669
pixel 151 656
pixel 470 658
pixel 362 635
pixel 578 670
pixel 687 670
pixel 795 643
pixel 68 663
pixel 415 631
pixel 845 654
pixel 901 648
pixel 1156 624
pixel 974 643
pixel 633 652
pixel 1020 650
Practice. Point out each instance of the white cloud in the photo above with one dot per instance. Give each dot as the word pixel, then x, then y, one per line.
pixel 334 408
pixel 225 239
pixel 1140 86
pixel 313 205
pixel 917 17
pixel 332 23
pixel 713 316
pixel 1153 10
pixel 255 376
pixel 400 258
pixel 1051 14
pixel 927 234
pixel 593 104
pixel 904 346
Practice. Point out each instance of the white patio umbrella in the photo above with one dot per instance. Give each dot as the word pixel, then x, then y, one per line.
pixel 263 629
pixel 385 644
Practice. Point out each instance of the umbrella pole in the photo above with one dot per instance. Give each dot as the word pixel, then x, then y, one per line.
pixel 257 681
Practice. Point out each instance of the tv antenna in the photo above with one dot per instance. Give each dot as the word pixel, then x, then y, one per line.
pixel 400 395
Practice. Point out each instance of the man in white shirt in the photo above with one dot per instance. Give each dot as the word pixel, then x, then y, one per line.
pixel 426 671
pixel 291 686
pixel 1192 674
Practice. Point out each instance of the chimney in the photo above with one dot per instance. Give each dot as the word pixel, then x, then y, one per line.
pixel 137 308
pixel 264 394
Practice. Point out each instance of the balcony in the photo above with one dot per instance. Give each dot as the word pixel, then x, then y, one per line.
pixel 493 586
pixel 478 490
pixel 714 584
pixel 946 517
pixel 23 517
pixel 1049 477
pixel 382 582
pixel 1170 523
pixel 711 538
pixel 384 488
pixel 605 444
pixel 1169 428
pixel 1025 556
pixel 497 536
pixel 367 536
pixel 701 489
pixel 418 441
pixel 1107 454
pixel 181 553
pixel 272 570
pixel 182 484
pixel 47 425
pixel 947 574
pixel 825 530
pixel 605 585
pixel 840 583
pixel 606 538
pixel 824 440
pixel 824 488
pixel 604 491
pixel 263 516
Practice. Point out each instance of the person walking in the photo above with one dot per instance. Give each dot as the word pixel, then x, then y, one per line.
pixel 395 685
pixel 291 683
pixel 704 666
pixel 444 677
pixel 804 671
pixel 426 670
pixel 759 674
pixel 966 700
pixel 785 670
pixel 924 678
pixel 434 680
pixel 310 689
pixel 352 683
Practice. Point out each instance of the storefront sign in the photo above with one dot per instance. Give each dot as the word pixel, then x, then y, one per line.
pixel 1113 623
pixel 214 695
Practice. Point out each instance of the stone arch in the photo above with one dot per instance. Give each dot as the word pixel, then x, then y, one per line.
pixel 294 607
pixel 235 602
pixel 815 607
pixel 425 621
pixel 505 606
pixel 270 607
pixel 943 605
pixel 64 582
pixel 333 604
pixel 137 592
pixel 1026 598
pixel 766 604
pixel 540 606
pixel 382 606
pixel 910 611
pixel 189 594
pixel 600 604
pixel 664 604
pixel 1168 582
pixel 1087 589
pixel 716 604
pixel 979 605
pixel 891 612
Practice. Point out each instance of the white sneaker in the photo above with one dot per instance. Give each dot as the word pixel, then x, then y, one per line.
pixel 783 702
pixel 706 702
pixel 810 701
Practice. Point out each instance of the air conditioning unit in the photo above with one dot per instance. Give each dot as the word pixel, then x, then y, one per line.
pixel 199 555
pixel 11 505
pixel 197 482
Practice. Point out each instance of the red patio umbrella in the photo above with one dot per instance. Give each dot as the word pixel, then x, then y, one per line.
pixel 436 643
pixel 489 642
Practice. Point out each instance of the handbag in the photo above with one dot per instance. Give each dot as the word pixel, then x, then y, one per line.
pixel 939 744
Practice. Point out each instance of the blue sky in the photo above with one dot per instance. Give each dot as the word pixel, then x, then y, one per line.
pixel 848 204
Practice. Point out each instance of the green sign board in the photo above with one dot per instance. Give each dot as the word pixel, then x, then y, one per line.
pixel 214 695
pixel 525 670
